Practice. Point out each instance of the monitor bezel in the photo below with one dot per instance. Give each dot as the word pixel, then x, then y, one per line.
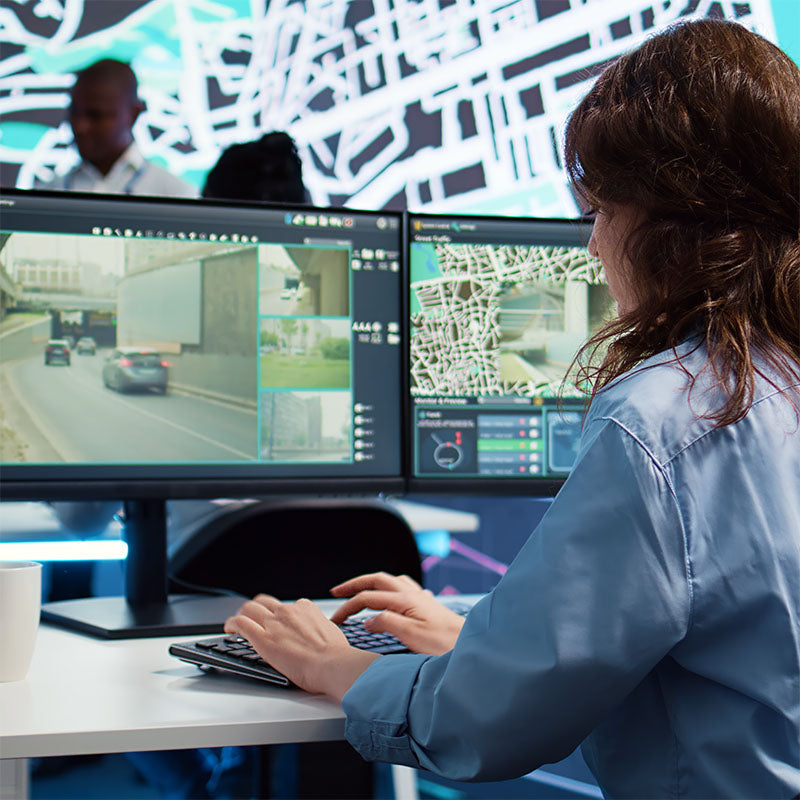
pixel 473 485
pixel 58 481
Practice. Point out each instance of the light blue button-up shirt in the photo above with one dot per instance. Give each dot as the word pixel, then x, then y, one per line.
pixel 654 615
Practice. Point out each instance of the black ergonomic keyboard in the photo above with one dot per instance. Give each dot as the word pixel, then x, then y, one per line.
pixel 231 653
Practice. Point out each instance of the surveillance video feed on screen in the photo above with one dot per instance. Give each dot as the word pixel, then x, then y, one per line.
pixel 180 335
pixel 499 307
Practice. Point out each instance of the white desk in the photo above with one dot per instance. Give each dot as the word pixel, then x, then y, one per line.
pixel 426 517
pixel 86 695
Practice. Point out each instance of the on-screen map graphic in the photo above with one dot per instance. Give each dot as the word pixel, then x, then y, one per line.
pixel 498 320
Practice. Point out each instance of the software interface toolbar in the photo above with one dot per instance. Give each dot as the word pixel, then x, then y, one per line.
pixel 498 309
pixel 200 334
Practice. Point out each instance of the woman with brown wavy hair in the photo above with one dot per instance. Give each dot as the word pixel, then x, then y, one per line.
pixel 654 613
pixel 701 153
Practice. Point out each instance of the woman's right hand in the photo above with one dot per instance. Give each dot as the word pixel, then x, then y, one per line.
pixel 408 611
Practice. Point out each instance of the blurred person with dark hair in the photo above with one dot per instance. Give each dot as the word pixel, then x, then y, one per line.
pixel 267 169
pixel 654 613
pixel 104 105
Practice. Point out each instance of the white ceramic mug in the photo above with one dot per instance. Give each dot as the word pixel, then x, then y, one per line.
pixel 20 606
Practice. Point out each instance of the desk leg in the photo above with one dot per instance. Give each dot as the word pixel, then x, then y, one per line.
pixel 405 782
pixel 14 783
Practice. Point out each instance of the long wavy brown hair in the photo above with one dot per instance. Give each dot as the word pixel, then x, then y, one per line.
pixel 699 129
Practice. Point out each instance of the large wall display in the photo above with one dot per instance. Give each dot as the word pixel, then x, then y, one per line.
pixel 433 105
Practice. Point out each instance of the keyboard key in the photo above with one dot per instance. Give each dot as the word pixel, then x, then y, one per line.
pixel 385 649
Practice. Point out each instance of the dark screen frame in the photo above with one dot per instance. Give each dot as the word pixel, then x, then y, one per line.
pixel 167 481
pixel 553 231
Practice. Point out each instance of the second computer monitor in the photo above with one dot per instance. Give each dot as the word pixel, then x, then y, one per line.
pixel 498 308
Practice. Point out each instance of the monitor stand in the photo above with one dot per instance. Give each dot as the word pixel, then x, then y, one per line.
pixel 146 609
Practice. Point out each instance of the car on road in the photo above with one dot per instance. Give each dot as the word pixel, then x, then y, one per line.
pixel 130 368
pixel 57 351
pixel 86 346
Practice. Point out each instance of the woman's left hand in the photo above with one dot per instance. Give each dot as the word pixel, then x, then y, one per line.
pixel 298 640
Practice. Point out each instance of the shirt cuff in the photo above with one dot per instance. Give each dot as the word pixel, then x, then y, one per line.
pixel 376 724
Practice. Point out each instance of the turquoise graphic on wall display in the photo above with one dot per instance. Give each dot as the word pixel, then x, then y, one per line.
pixel 462 110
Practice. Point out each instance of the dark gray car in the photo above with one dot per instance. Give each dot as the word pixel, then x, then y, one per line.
pixel 130 368
pixel 57 351
pixel 86 346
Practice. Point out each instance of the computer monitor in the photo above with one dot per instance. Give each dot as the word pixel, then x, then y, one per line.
pixel 155 349
pixel 498 308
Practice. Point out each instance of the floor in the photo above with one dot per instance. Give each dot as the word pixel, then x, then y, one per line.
pixel 88 778
pixel 117 777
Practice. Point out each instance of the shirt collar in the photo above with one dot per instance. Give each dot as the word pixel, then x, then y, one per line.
pixel 131 158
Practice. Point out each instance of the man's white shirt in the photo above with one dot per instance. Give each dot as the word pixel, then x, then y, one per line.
pixel 131 174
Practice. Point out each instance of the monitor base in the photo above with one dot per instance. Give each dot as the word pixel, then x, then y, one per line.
pixel 115 618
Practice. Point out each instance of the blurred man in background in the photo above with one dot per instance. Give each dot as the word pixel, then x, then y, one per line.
pixel 103 109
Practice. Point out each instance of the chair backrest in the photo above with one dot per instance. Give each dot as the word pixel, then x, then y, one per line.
pixel 296 548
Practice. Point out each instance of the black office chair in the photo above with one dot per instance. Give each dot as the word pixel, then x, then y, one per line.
pixel 293 548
